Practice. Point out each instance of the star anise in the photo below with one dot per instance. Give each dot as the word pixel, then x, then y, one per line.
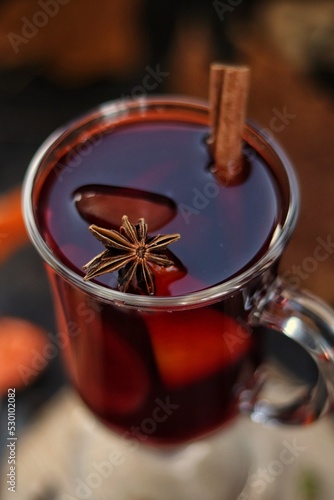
pixel 129 251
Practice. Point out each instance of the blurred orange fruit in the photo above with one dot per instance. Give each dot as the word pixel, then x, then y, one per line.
pixel 13 233
pixel 22 355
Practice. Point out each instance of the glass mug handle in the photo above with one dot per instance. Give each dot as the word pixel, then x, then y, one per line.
pixel 309 321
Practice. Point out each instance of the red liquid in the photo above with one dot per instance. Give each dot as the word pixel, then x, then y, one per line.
pixel 159 377
pixel 221 234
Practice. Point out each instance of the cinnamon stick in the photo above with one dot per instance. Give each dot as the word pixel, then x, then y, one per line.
pixel 228 94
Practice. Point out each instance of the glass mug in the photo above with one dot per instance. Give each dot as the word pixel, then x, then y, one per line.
pixel 168 371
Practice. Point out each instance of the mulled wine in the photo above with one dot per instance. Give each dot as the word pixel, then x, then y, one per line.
pixel 158 376
pixel 161 172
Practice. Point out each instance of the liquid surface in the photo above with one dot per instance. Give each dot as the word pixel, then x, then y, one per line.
pixel 160 171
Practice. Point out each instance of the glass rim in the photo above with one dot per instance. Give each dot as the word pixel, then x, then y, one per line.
pixel 113 110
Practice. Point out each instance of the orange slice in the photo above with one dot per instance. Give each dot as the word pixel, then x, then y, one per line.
pixel 166 276
pixel 194 344
pixel 111 375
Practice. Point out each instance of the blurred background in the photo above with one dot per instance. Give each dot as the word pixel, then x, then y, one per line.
pixel 58 58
